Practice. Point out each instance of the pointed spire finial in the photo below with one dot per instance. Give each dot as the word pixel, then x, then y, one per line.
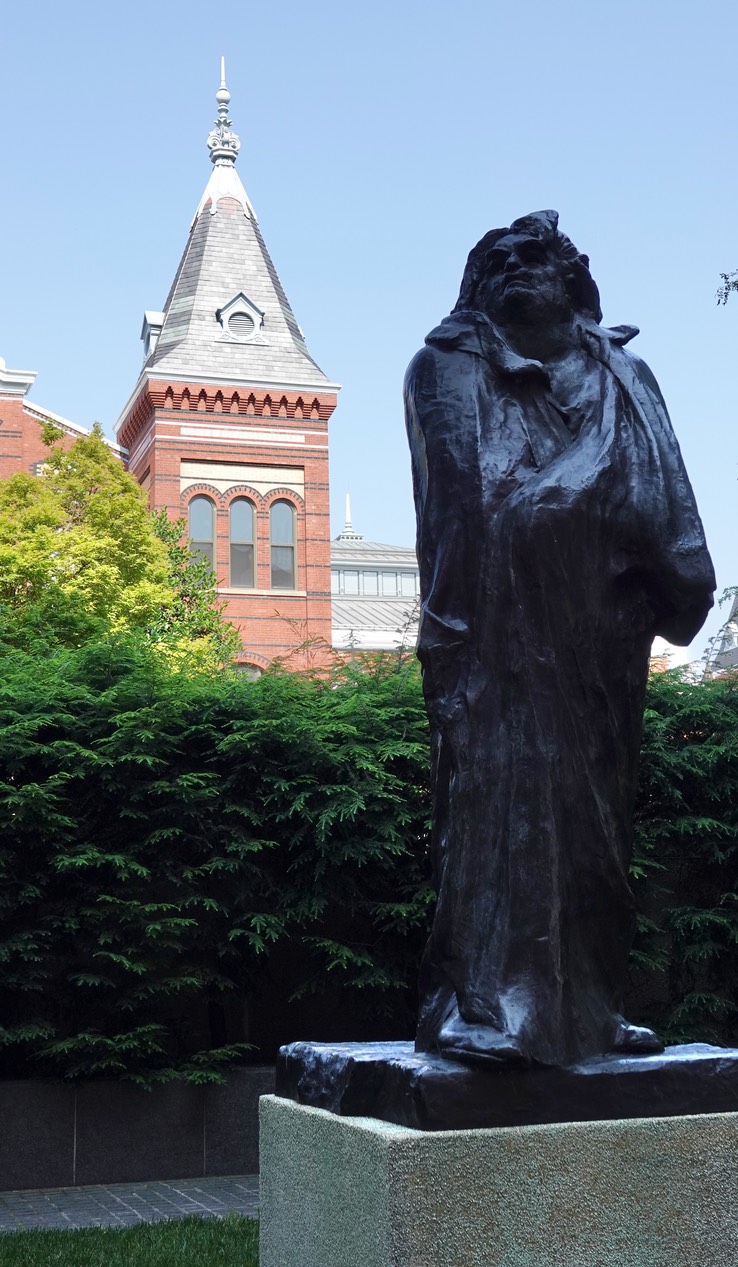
pixel 348 533
pixel 223 142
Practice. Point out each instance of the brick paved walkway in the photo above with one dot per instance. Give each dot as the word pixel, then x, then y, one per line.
pixel 121 1204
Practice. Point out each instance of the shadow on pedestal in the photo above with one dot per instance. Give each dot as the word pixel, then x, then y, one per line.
pixel 393 1082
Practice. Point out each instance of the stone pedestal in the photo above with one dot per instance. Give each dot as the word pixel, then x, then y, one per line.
pixel 358 1192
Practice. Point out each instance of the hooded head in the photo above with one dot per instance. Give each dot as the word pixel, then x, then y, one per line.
pixel 488 257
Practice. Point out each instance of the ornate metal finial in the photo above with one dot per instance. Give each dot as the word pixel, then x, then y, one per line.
pixel 223 142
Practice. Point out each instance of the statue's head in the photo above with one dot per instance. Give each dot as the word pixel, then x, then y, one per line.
pixel 527 271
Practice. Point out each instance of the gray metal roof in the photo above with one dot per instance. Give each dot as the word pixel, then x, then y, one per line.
pixel 366 552
pixel 226 258
pixel 378 613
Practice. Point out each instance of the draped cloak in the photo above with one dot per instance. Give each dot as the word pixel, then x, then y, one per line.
pixel 553 545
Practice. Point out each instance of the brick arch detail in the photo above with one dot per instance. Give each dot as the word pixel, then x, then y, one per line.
pixel 284 495
pixel 252 657
pixel 243 490
pixel 200 490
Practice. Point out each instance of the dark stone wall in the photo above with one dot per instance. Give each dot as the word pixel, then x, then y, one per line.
pixel 56 1135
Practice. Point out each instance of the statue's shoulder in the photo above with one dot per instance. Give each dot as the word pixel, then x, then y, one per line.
pixel 457 333
pixel 609 345
pixel 422 372
pixel 631 364
pixel 641 368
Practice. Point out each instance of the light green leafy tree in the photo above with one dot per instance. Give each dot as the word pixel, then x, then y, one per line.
pixel 81 555
pixel 81 529
pixel 192 628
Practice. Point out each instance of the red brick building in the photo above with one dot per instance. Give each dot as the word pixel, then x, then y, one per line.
pixel 228 422
pixel 21 444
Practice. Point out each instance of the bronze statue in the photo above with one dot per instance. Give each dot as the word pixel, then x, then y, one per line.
pixel 557 535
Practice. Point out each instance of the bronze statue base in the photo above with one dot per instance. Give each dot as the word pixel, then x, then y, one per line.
pixel 393 1082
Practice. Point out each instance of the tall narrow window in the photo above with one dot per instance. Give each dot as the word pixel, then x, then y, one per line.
pixel 241 520
pixel 202 528
pixel 282 531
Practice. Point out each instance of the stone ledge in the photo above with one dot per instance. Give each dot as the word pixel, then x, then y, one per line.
pixel 356 1192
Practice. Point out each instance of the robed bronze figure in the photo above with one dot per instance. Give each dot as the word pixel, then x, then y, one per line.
pixel 557 535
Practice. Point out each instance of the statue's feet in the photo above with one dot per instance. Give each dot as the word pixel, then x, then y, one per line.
pixel 634 1039
pixel 476 1044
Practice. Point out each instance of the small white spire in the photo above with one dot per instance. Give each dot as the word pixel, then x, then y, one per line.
pixel 223 142
pixel 348 533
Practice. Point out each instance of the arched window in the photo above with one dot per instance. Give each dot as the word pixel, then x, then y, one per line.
pixel 202 528
pixel 250 671
pixel 282 535
pixel 241 522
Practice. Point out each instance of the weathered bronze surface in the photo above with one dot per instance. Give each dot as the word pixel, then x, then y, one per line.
pixel 557 535
pixel 393 1082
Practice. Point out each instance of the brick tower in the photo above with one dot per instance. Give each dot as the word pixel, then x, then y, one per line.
pixel 228 422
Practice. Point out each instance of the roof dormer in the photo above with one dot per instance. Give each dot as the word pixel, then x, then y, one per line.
pixel 150 331
pixel 241 321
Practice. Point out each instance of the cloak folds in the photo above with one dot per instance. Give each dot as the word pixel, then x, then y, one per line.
pixel 554 544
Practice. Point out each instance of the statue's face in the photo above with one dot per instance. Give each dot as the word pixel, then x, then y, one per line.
pixel 525 282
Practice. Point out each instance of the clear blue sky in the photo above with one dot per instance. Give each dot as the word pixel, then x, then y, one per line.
pixel 378 143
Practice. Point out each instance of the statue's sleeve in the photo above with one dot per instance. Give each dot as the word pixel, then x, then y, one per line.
pixel 681 579
pixel 441 434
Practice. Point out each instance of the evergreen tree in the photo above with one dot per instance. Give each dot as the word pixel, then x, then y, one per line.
pixel 685 868
pixel 165 834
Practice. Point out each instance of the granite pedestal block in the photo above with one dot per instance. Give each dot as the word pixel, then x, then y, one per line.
pixel 358 1192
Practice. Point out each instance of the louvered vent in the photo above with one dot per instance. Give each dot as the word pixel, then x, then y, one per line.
pixel 240 325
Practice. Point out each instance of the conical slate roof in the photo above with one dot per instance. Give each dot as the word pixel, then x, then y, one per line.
pixel 227 318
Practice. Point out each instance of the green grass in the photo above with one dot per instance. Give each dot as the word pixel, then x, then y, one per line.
pixel 192 1242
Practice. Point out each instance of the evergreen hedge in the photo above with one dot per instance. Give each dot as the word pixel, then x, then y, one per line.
pixel 169 842
pixel 163 833
pixel 685 865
